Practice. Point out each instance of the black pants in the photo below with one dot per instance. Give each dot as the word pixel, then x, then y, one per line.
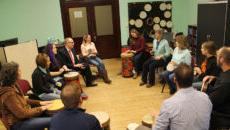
pixel 86 73
pixel 148 72
pixel 139 60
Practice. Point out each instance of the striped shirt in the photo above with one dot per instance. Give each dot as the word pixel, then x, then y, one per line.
pixel 188 109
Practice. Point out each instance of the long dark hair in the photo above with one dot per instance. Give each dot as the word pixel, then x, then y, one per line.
pixel 9 74
pixel 49 52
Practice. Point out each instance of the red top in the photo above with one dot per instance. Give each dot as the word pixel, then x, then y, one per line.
pixel 138 45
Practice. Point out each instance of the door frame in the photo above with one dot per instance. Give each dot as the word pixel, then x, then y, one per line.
pixel 73 3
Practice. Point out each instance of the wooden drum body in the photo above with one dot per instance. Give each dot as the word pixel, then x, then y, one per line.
pixel 56 106
pixel 103 118
pixel 72 77
pixel 127 64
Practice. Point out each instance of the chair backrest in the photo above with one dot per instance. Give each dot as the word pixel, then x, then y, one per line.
pixel 24 85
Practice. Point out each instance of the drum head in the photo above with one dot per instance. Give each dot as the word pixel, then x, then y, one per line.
pixel 56 105
pixel 103 117
pixel 132 126
pixel 148 119
pixel 71 74
pixel 126 55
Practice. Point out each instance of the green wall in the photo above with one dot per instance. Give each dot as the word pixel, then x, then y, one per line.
pixel 40 19
pixel 184 13
pixel 30 19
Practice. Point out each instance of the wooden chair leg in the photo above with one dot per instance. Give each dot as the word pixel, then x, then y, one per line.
pixel 163 87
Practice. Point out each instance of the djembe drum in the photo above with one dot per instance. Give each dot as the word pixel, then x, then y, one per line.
pixel 132 126
pixel 72 77
pixel 56 106
pixel 127 64
pixel 148 120
pixel 103 118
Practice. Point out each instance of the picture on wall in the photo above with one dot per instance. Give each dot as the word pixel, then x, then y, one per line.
pixel 147 17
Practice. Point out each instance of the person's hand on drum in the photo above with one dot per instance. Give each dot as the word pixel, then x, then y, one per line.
pixel 44 103
pixel 208 79
pixel 61 70
pixel 65 68
pixel 133 51
pixel 45 107
pixel 157 57
pixel 197 70
pixel 79 66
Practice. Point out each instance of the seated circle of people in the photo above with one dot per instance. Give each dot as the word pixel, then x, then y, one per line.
pixel 68 56
pixel 16 111
pixel 89 52
pixel 219 93
pixel 187 109
pixel 208 66
pixel 44 86
pixel 138 47
pixel 73 117
pixel 180 55
pixel 161 51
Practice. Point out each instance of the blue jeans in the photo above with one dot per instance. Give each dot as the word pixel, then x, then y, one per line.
pixel 97 62
pixel 37 123
pixel 50 96
pixel 138 61
pixel 169 77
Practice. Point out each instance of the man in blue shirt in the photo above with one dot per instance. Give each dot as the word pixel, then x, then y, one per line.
pixel 73 117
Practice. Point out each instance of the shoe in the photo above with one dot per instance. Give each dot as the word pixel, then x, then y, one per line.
pixel 108 81
pixel 172 92
pixel 91 85
pixel 142 83
pixel 84 96
pixel 149 85
pixel 135 76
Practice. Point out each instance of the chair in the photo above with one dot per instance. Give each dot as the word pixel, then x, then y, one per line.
pixel 24 85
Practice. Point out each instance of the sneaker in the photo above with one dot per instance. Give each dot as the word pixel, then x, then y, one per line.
pixel 149 85
pixel 142 83
pixel 91 85
pixel 135 76
pixel 84 96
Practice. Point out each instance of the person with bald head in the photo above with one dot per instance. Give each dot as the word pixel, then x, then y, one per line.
pixel 68 56
pixel 219 93
pixel 73 117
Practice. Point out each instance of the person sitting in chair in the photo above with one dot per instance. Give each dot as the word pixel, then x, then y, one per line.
pixel 16 111
pixel 161 51
pixel 68 57
pixel 89 51
pixel 73 117
pixel 43 84
pixel 219 93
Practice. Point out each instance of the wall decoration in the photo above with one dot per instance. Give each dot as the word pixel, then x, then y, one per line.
pixel 148 7
pixel 139 23
pixel 167 14
pixel 156 19
pixel 132 22
pixel 162 6
pixel 156 27
pixel 163 23
pixel 147 17
pixel 143 15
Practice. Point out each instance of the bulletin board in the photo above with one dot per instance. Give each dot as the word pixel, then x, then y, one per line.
pixel 147 17
pixel 24 54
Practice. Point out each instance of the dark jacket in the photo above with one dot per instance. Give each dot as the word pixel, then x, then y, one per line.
pixel 220 98
pixel 14 107
pixel 64 58
pixel 74 119
pixel 211 68
pixel 41 82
